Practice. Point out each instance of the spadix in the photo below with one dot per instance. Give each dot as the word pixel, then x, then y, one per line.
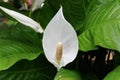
pixel 60 42
pixel 59 50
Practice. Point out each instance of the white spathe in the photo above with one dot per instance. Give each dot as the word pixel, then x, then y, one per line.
pixel 60 31
pixel 23 19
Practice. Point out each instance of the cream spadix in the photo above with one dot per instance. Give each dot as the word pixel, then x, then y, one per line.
pixel 60 42
pixel 23 19
pixel 58 55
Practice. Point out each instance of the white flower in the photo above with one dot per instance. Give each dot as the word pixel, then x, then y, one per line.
pixel 23 19
pixel 60 42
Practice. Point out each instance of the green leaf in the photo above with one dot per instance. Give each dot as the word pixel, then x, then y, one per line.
pixel 114 75
pixel 64 74
pixel 38 69
pixel 102 28
pixel 74 12
pixel 18 43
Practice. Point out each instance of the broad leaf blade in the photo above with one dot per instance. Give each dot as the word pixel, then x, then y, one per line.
pixel 64 74
pixel 102 28
pixel 18 43
pixel 74 12
pixel 38 69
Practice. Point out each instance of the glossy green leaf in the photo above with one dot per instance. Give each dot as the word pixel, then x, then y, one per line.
pixel 38 69
pixel 65 74
pixel 18 43
pixel 114 75
pixel 102 28
pixel 74 12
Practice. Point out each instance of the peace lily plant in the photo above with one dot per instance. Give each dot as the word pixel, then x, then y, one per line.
pixel 97 23
pixel 60 41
